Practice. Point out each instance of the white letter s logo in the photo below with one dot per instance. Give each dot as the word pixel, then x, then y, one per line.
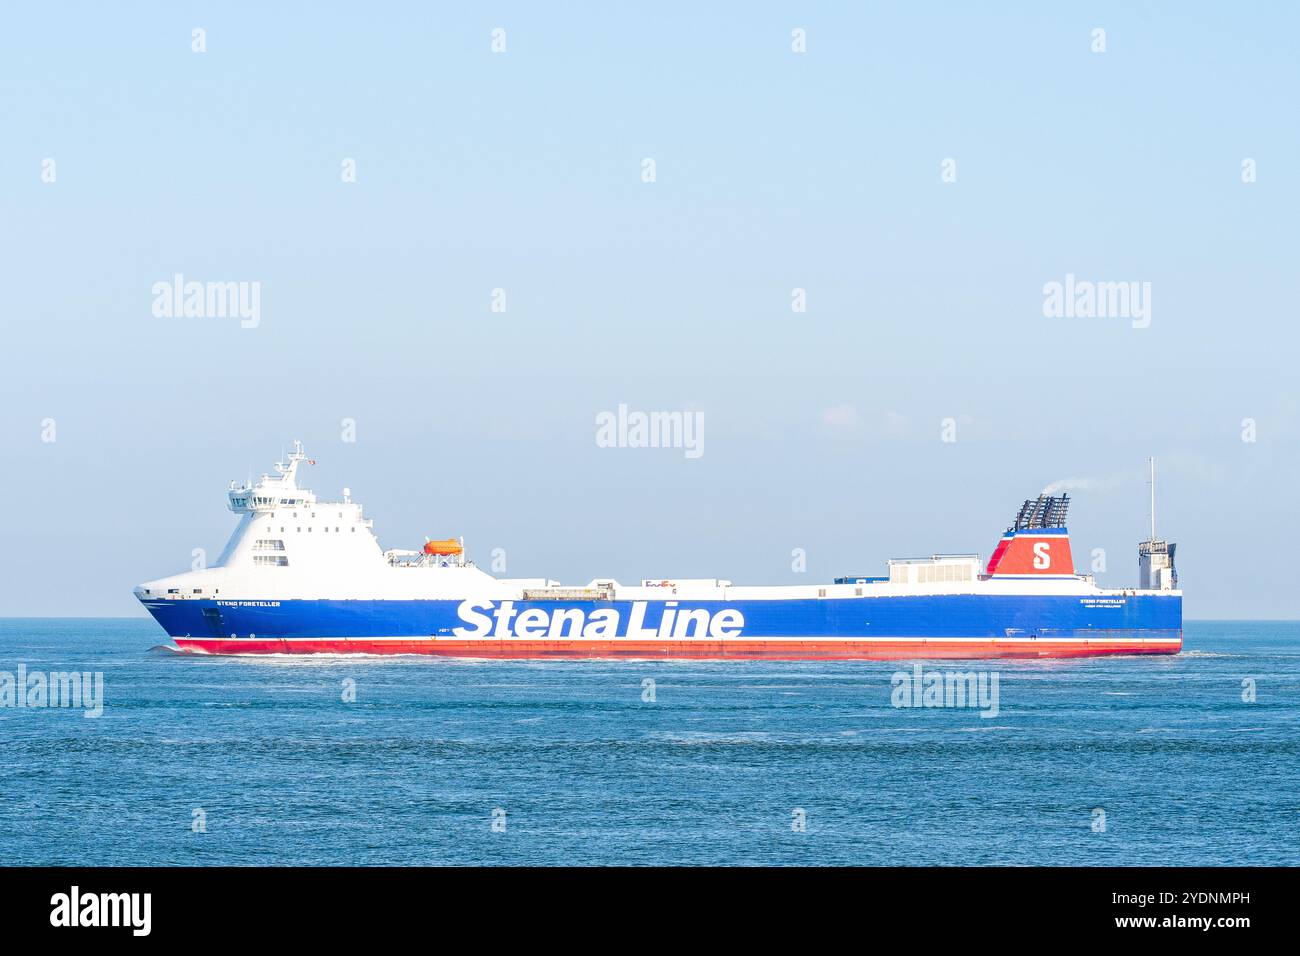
pixel 1042 559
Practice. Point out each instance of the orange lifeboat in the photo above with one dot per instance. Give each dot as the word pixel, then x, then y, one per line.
pixel 447 546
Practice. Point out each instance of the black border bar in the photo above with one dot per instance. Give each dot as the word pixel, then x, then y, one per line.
pixel 332 905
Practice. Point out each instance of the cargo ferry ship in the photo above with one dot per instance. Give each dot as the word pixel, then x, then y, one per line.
pixel 305 576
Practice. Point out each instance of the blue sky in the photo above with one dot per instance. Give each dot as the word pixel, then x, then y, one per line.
pixel 774 170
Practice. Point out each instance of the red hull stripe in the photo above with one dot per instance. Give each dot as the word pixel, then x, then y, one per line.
pixel 790 650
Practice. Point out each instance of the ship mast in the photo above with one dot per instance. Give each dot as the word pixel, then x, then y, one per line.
pixel 1155 557
pixel 1152 461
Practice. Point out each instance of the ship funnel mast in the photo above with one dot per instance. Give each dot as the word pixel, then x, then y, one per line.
pixel 1156 571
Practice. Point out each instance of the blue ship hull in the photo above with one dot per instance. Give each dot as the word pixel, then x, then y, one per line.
pixel 234 626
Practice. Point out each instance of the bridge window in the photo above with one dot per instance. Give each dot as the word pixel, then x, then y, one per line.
pixel 274 560
pixel 268 544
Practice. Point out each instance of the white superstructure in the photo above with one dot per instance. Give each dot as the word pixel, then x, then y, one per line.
pixel 290 545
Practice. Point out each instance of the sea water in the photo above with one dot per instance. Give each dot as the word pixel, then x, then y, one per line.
pixel 1188 759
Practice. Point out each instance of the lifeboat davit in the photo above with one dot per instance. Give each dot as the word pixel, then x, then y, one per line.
pixel 448 546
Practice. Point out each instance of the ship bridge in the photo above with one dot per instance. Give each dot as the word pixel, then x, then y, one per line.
pixel 271 491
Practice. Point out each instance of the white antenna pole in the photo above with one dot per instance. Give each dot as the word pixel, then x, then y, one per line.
pixel 1153 498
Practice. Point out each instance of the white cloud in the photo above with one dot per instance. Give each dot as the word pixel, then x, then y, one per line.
pixel 841 416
